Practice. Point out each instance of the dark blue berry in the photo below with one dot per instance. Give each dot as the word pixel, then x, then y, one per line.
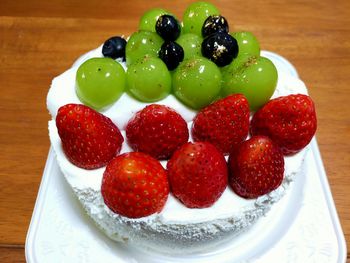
pixel 221 48
pixel 172 54
pixel 114 48
pixel 168 27
pixel 214 24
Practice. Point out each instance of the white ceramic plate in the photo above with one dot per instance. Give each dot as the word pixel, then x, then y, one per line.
pixel 302 227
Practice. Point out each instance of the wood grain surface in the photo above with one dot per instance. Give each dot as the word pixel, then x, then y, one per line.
pixel 40 39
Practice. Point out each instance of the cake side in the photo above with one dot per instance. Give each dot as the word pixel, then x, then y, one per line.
pixel 176 228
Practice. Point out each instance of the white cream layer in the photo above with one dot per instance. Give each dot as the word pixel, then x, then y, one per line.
pixel 176 228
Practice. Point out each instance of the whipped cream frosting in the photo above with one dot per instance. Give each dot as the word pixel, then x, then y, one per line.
pixel 176 228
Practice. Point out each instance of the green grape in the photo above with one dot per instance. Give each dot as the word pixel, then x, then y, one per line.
pixel 197 82
pixel 142 43
pixel 148 79
pixel 191 45
pixel 254 77
pixel 195 15
pixel 247 43
pixel 100 82
pixel 235 64
pixel 149 19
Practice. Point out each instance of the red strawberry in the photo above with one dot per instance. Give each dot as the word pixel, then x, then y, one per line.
pixel 225 123
pixel 135 185
pixel 157 130
pixel 89 139
pixel 290 121
pixel 256 167
pixel 197 174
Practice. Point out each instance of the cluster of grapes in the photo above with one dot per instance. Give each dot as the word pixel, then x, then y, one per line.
pixel 198 60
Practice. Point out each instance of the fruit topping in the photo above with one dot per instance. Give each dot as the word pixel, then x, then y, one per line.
pixel 135 185
pixel 149 19
pixel 195 15
pixel 168 27
pixel 225 123
pixel 197 82
pixel 172 54
pixel 220 47
pixel 114 47
pixel 100 82
pixel 290 121
pixel 148 79
pixel 247 43
pixel 191 45
pixel 214 24
pixel 197 174
pixel 142 43
pixel 254 77
pixel 157 130
pixel 89 139
pixel 256 167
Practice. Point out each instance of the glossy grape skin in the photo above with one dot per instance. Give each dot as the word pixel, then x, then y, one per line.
pixel 148 80
pixel 254 77
pixel 197 82
pixel 191 45
pixel 195 15
pixel 114 47
pixel 247 43
pixel 220 47
pixel 168 27
pixel 172 54
pixel 100 82
pixel 214 24
pixel 142 43
pixel 149 19
pixel 235 64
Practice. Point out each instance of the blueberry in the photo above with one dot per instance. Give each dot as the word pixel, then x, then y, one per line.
pixel 172 54
pixel 168 27
pixel 221 48
pixel 114 47
pixel 214 24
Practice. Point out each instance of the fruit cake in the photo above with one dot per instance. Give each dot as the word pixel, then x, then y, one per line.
pixel 181 136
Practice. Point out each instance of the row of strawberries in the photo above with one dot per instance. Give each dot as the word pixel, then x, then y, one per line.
pixel 135 184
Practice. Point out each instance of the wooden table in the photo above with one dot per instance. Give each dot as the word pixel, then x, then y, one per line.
pixel 40 39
